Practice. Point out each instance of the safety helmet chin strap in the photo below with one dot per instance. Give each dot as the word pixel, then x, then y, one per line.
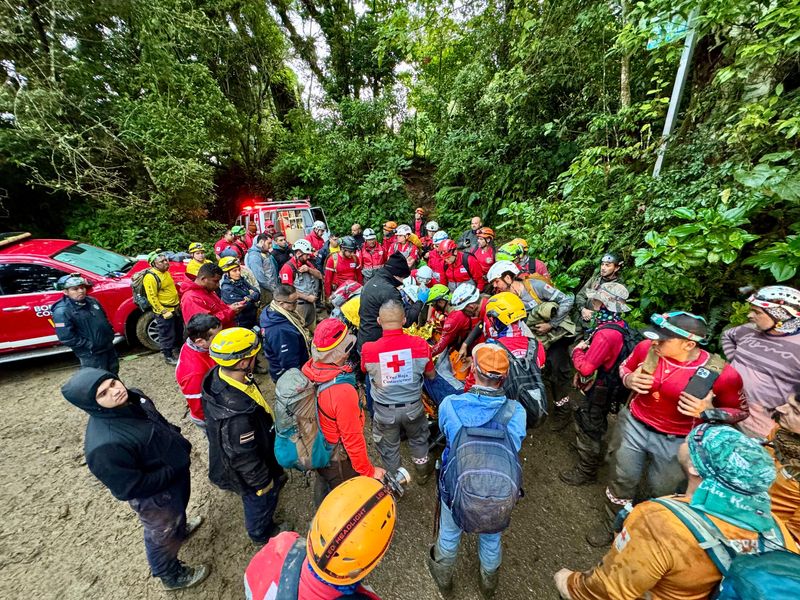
pixel 248 369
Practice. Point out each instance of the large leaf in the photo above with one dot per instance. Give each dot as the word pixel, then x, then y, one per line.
pixel 782 271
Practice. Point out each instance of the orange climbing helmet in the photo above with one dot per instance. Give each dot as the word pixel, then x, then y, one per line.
pixel 390 226
pixel 485 232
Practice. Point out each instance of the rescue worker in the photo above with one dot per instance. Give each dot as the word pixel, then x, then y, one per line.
pixel 404 246
pixel 269 229
pixel 343 266
pixel 467 310
pixel 431 227
pixel 200 296
pixel 143 460
pixel 240 431
pixel 357 235
pixel 316 237
pixel 341 419
pixel 474 408
pixel 280 251
pixel 372 255
pixel 82 325
pixel 418 224
pixel 263 266
pixel 657 556
pixel 528 264
pixel 162 294
pixel 766 353
pixel 195 362
pixel 225 244
pixel 596 361
pixel 287 341
pixel 389 229
pixel 785 449
pixel 609 271
pixel 548 316
pixel 238 245
pixel 250 235
pixel 661 413
pixel 459 267
pixel 349 535
pixel 301 273
pixel 198 253
pixel 330 248
pixel 434 259
pixel 485 251
pixel 234 290
pixel 469 239
pixel 396 365
pixel 437 303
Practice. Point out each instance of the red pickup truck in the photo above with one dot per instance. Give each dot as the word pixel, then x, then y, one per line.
pixel 29 269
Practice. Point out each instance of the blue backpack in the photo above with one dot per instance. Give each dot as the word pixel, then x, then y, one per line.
pixel 482 480
pixel 771 574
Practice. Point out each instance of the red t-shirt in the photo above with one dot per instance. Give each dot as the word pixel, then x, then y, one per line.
pixel 485 258
pixel 659 408
pixel 193 365
pixel 288 271
pixel 602 352
pixel 222 245
pixel 339 269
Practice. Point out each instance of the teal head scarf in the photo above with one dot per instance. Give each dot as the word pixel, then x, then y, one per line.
pixel 736 472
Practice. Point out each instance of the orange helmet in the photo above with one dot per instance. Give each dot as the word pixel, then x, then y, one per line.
pixel 485 232
pixel 351 531
pixel 389 226
pixel 520 242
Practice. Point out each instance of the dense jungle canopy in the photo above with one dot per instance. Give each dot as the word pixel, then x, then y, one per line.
pixel 136 124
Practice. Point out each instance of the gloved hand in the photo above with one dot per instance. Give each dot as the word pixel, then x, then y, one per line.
pixel 423 293
pixel 168 314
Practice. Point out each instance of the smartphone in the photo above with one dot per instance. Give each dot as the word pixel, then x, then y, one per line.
pixel 701 383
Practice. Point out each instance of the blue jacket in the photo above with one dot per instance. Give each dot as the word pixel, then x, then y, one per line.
pixel 232 292
pixel 83 327
pixel 473 409
pixel 263 267
pixel 284 346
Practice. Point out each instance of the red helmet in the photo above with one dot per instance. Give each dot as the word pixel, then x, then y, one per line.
pixel 447 247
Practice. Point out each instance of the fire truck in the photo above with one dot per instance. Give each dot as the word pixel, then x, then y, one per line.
pixel 293 218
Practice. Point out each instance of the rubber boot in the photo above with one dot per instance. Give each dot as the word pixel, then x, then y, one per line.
pixel 423 472
pixel 188 577
pixel 488 582
pixel 441 572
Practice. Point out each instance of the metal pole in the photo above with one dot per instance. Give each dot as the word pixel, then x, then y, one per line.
pixel 677 90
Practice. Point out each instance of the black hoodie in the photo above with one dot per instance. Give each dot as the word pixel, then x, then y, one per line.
pixel 132 449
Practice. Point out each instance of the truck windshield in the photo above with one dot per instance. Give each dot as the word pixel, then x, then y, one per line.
pixel 95 260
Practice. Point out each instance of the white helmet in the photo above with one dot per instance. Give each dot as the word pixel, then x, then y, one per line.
pixel 464 294
pixel 499 268
pixel 303 246
pixel 319 225
pixel 403 230
pixel 424 275
pixel 432 227
pixel 440 236
pixel 777 298
pixel 369 234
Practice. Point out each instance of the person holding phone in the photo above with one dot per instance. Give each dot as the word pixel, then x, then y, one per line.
pixel 676 385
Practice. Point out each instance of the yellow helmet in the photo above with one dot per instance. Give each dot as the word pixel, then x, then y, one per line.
pixel 196 247
pixel 351 531
pixel 350 311
pixel 506 307
pixel 520 242
pixel 231 345
pixel 229 263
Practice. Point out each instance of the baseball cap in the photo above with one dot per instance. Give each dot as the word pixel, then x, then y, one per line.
pixel 490 360
pixel 677 324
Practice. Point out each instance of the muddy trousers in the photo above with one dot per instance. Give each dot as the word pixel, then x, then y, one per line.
pixel 163 517
pixel 490 552
pixel 557 374
pixel 258 513
pixel 337 472
pixel 387 423
pixel 639 445
pixel 591 425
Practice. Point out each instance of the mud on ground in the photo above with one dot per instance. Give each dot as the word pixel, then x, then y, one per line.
pixel 62 534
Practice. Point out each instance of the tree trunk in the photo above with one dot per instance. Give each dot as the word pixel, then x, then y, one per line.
pixel 625 68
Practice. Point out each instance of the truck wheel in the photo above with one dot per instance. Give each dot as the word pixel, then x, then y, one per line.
pixel 147 331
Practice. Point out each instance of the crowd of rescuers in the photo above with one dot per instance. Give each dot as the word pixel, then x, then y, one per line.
pixel 425 333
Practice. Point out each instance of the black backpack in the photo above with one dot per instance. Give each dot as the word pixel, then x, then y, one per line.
pixel 137 287
pixel 524 384
pixel 617 393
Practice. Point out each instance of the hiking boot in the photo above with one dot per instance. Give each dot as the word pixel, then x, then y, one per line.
pixel 170 360
pixel 423 472
pixel 601 536
pixel 442 573
pixel 192 525
pixel 188 577
pixel 577 476
pixel 488 582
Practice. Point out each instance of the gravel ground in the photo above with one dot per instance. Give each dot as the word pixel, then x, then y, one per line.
pixel 62 534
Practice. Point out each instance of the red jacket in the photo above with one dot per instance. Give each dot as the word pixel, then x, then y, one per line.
pixel 485 258
pixel 339 269
pixel 198 300
pixel 346 423
pixel 316 242
pixel 222 245
pixel 372 258
pixel 457 327
pixel 388 242
pixel 436 263
pixel 408 250
pixel 193 365
pixel 263 574
pixel 456 273
pixel 602 352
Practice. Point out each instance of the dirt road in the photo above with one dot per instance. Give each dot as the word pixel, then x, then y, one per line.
pixel 62 534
